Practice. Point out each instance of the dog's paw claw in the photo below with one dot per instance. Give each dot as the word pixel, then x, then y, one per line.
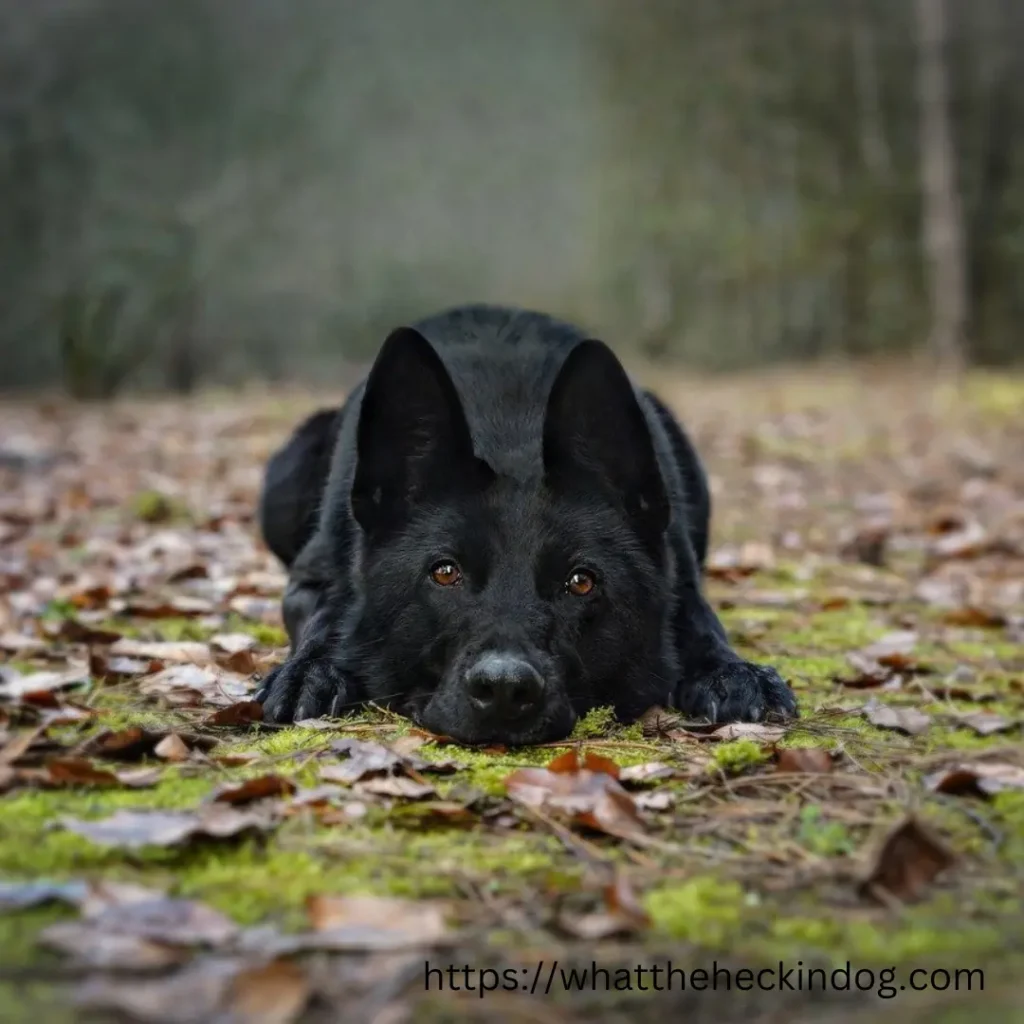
pixel 302 688
pixel 738 692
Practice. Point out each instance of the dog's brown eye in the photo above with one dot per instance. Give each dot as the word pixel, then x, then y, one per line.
pixel 580 583
pixel 446 574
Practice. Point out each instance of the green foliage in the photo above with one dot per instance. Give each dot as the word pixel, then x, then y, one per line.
pixel 738 755
pixel 821 836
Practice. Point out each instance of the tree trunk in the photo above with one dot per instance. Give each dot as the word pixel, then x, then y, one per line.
pixel 942 213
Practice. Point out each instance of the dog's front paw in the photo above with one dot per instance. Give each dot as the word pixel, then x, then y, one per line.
pixel 304 688
pixel 737 692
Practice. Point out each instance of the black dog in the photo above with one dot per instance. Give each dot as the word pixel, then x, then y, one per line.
pixel 494 534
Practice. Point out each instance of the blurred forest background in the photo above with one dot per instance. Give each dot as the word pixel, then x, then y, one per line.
pixel 200 192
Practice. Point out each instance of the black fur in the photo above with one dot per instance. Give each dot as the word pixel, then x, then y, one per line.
pixel 509 445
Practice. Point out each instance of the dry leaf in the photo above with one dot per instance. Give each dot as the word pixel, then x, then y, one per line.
pixel 657 721
pixel 980 778
pixel 92 947
pixel 906 720
pixel 986 723
pixel 77 771
pixel 195 993
pixel 14 686
pixel 273 993
pixel 172 748
pixel 748 731
pixel 592 798
pixel 166 920
pixel 195 684
pixel 181 651
pixel 261 788
pixel 243 713
pixel 396 786
pixel 377 922
pixel 652 771
pixel 622 915
pixel 804 759
pixel 132 830
pixel 658 800
pixel 909 860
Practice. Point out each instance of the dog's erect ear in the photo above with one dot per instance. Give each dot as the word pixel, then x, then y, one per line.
pixel 595 430
pixel 413 441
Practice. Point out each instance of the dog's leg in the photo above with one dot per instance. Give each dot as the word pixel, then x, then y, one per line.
pixel 715 682
pixel 313 681
pixel 316 607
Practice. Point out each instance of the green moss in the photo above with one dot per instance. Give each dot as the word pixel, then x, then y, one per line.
pixel 703 910
pixel 995 396
pixel 597 722
pixel 868 939
pixel 1009 809
pixel 155 507
pixel 266 634
pixel 821 836
pixel 738 755
pixel 59 609
pixel 25 1001
pixel 179 629
pixel 839 629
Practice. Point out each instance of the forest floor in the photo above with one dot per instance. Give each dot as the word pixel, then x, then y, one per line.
pixel 166 857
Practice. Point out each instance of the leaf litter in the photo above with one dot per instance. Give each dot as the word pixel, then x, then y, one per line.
pixel 905 583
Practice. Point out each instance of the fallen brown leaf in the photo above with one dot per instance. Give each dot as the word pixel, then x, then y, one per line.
pixel 906 720
pixel 172 748
pixel 968 542
pixel 90 897
pixel 165 919
pixel 658 800
pixel 622 914
pixel 395 786
pixel 194 993
pixel 273 993
pixel 592 798
pixel 971 616
pixel 92 947
pixel 135 743
pixel 362 759
pixel 981 778
pixel 379 921
pixel 181 651
pixel 909 860
pixel 570 761
pixel 77 771
pixel 261 788
pixel 119 667
pixel 234 651
pixel 651 771
pixel 878 662
pixel 243 713
pixel 748 731
pixel 131 830
pixel 657 721
pixel 14 686
pixel 191 685
pixel 986 723
pixel 804 759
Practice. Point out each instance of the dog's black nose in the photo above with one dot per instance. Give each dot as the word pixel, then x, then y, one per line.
pixel 504 687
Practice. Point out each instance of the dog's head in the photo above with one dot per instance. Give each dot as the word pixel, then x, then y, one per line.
pixel 498 610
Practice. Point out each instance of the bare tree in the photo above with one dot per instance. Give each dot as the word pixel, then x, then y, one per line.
pixel 942 211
